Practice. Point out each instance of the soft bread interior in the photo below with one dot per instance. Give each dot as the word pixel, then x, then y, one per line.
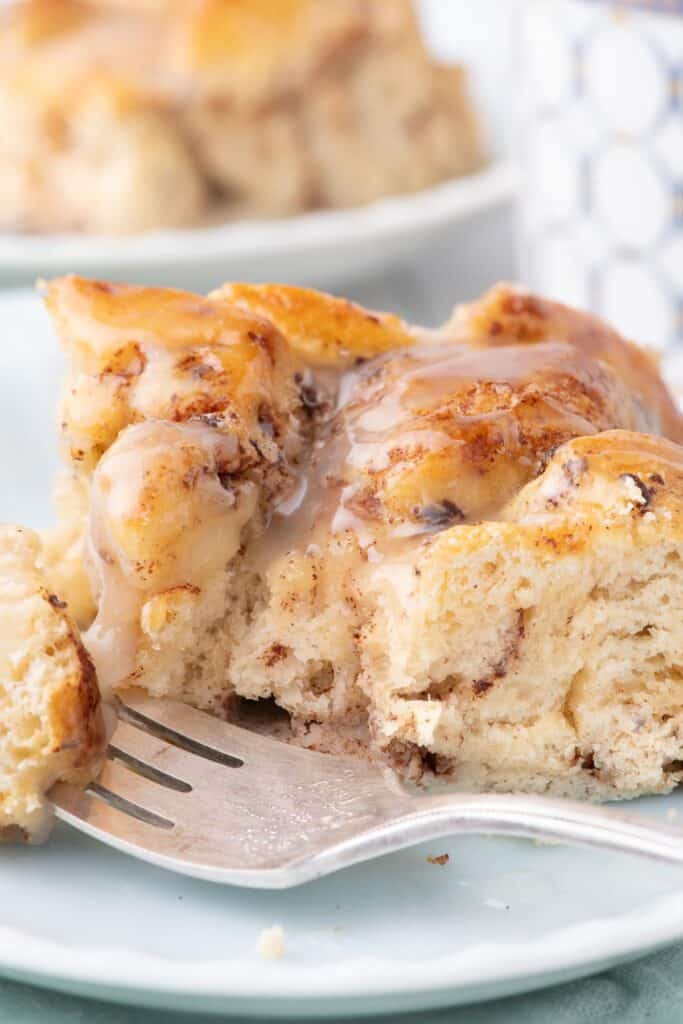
pixel 50 724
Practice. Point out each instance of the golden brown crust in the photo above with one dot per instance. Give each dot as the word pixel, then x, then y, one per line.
pixel 148 353
pixel 95 318
pixel 507 315
pixel 449 422
pixel 51 725
pixel 76 717
pixel 453 433
pixel 321 329
pixel 617 474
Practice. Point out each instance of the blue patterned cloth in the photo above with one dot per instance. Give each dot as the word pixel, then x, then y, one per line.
pixel 599 130
pixel 667 6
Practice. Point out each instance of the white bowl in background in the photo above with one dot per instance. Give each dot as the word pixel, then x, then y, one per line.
pixel 317 249
pixel 326 248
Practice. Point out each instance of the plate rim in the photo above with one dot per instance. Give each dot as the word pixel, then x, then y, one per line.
pixel 385 219
pixel 576 948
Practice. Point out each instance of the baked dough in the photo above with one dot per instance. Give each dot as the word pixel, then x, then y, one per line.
pixel 50 723
pixel 124 117
pixel 460 548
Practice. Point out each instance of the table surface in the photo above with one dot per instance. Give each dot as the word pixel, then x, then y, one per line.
pixel 648 990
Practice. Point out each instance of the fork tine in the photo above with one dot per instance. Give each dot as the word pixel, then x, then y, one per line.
pixel 191 853
pixel 147 770
pixel 97 817
pixel 186 767
pixel 196 726
pixel 254 750
pixel 118 779
pixel 179 740
pixel 232 740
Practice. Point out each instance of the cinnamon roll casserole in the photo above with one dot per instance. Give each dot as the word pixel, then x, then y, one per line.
pixel 458 550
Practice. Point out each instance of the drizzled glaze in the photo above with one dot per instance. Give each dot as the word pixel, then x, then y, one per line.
pixel 347 443
pixel 440 435
pixel 165 513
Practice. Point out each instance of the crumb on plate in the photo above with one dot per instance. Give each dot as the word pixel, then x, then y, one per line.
pixel 271 943
pixel 442 859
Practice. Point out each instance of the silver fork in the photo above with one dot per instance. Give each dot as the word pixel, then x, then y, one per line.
pixel 195 795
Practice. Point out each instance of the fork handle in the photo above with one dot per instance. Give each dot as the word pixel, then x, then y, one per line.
pixel 530 817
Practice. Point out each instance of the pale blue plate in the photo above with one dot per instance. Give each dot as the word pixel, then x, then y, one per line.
pixel 398 933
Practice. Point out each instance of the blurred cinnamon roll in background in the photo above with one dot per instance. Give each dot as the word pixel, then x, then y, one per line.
pixel 126 117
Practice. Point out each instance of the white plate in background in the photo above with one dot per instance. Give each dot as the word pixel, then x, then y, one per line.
pixel 398 933
pixel 317 249
pixel 326 248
